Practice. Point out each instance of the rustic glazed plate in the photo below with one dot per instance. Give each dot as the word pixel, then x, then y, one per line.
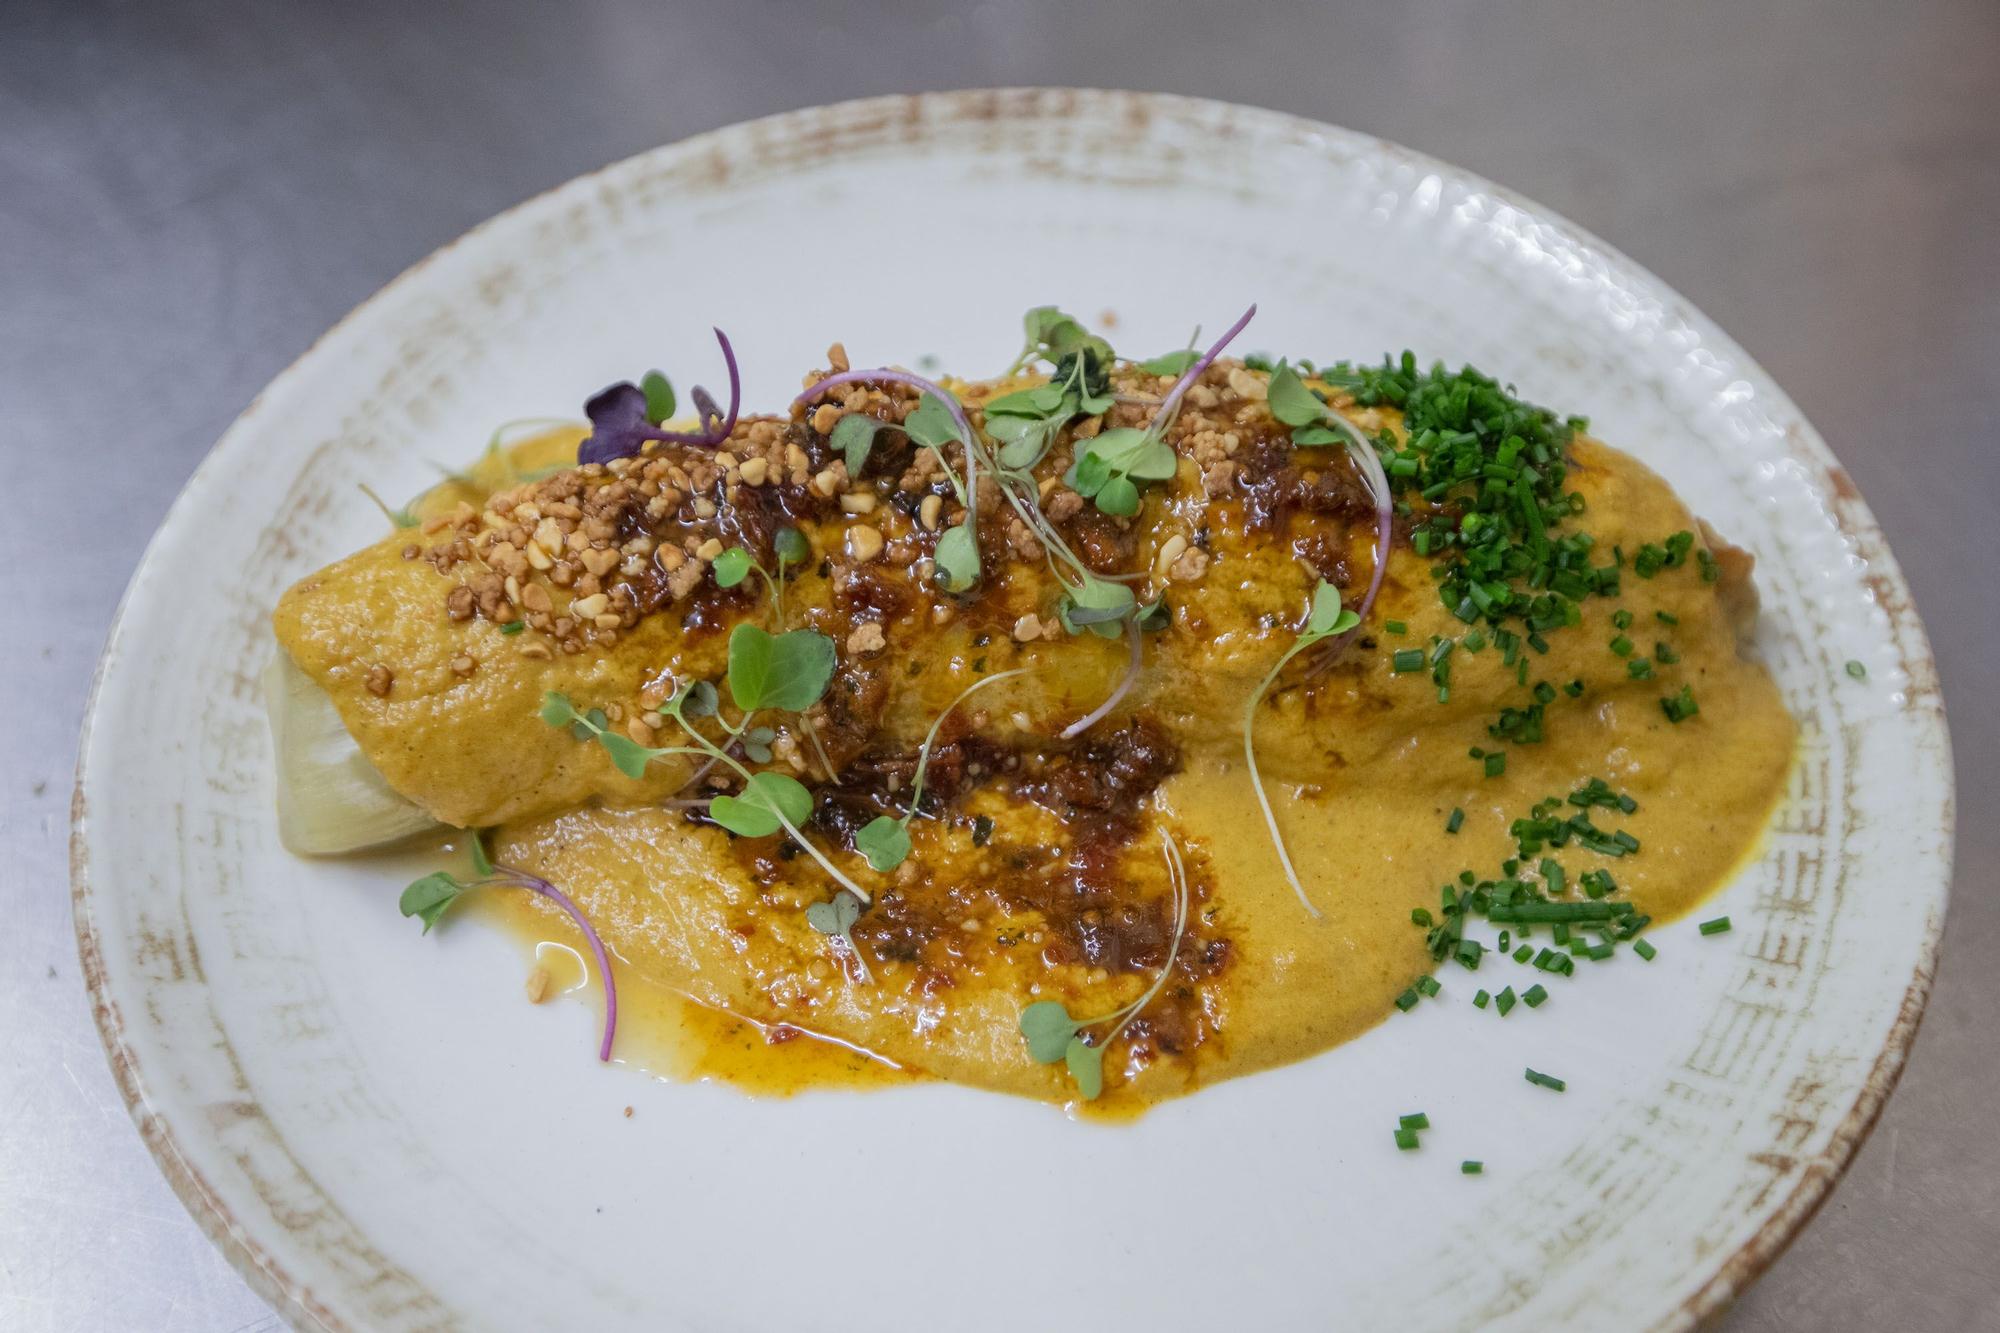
pixel 382 1134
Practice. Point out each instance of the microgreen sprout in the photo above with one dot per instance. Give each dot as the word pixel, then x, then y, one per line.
pixel 623 417
pixel 1052 1034
pixel 1326 618
pixel 788 672
pixel 430 897
pixel 1110 465
pixel 1314 423
pixel 1055 336
pixel 885 839
pixel 836 917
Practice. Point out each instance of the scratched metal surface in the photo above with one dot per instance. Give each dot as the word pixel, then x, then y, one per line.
pixel 187 199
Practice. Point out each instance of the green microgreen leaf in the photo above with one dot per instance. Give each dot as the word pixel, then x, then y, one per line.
pixel 885 841
pixel 627 755
pixel 1054 335
pixel 1049 1029
pixel 1292 402
pixel 854 436
pixel 788 671
pixel 792 546
pixel 432 896
pixel 693 701
pixel 1173 363
pixel 1098 605
pixel 835 917
pixel 732 567
pixel 557 710
pixel 659 393
pixel 931 424
pixel 766 796
pixel 957 558
pixel 1118 497
pixel 481 862
pixel 1086 1067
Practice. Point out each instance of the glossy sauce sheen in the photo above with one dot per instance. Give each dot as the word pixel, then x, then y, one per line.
pixel 1071 901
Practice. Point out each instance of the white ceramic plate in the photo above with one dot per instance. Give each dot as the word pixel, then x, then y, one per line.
pixel 383 1135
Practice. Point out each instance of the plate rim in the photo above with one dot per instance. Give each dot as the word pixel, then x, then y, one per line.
pixel 1731 1274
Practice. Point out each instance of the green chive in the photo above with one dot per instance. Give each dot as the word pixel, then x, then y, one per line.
pixel 1717 926
pixel 1470 1167
pixel 1856 670
pixel 1524 953
pixel 1481 999
pixel 1420 916
pixel 1395 627
pixel 1622 646
pixel 1495 762
pixel 1549 1081
pixel 1407 1001
pixel 1406 1139
pixel 1407 660
pixel 1504 1001
pixel 1456 822
pixel 1645 949
pixel 514 627
pixel 1428 985
pixel 1534 995
pixel 1417 1121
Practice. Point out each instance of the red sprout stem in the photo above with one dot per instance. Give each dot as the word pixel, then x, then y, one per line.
pixel 537 885
pixel 1103 710
pixel 713 433
pixel 1171 403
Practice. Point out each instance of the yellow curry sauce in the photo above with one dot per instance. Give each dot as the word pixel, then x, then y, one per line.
pixel 1040 872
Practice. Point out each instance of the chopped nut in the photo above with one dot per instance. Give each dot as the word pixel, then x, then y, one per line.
pixel 1170 551
pixel 1246 385
pixel 704 508
pixel 826 481
pixel 1190 567
pixel 825 417
pixel 459 603
pixel 380 681
pixel 640 730
pixel 928 511
pixel 538 985
pixel 538 557
pixel 866 638
pixel 1028 628
pixel 864 543
pixel 755 471
pixel 836 357
pixel 858 502
pixel 464 664
pixel 709 549
pixel 590 606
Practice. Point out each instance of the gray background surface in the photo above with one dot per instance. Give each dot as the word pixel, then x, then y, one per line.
pixel 190 194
